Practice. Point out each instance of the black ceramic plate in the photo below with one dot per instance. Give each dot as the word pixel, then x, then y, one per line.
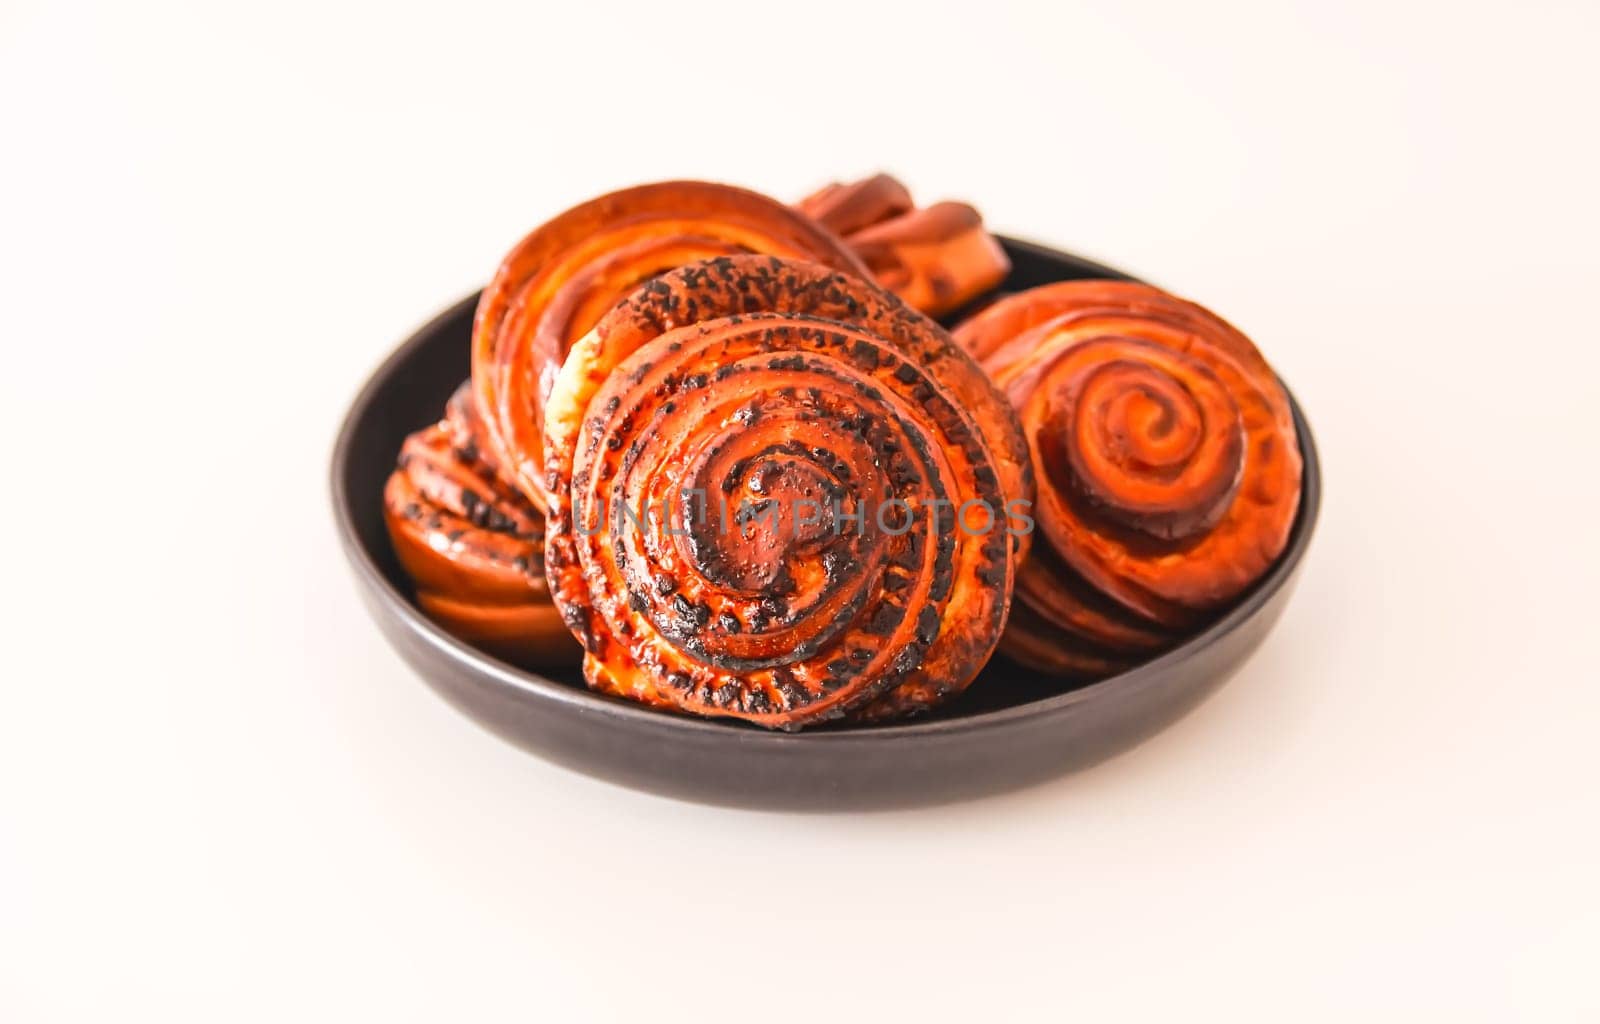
pixel 1011 728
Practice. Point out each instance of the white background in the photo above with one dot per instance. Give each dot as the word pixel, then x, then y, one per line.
pixel 223 798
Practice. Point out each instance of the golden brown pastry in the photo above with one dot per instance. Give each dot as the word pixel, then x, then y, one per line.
pixel 1167 465
pixel 562 278
pixel 937 258
pixel 846 209
pixel 756 468
pixel 473 547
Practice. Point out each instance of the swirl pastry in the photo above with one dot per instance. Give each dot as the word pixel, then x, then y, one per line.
pixel 560 279
pixel 1167 463
pixel 473 546
pixel 846 209
pixel 937 258
pixel 767 482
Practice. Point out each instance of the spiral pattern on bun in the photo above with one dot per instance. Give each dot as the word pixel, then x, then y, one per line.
pixel 1167 463
pixel 766 484
pixel 559 280
pixel 473 547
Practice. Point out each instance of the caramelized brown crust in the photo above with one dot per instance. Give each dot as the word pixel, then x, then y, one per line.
pixel 846 209
pixel 938 258
pixel 1167 463
pixel 561 278
pixel 473 547
pixel 709 446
